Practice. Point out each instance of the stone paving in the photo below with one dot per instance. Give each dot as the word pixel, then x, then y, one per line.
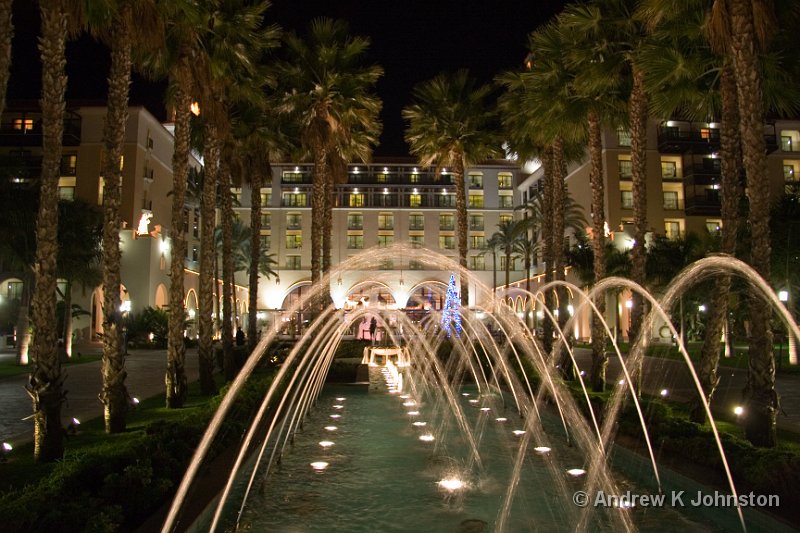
pixel 146 371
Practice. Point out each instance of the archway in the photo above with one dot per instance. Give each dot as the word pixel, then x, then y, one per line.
pixel 190 303
pixel 161 299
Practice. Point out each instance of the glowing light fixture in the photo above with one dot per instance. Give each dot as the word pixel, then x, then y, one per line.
pixel 413 413
pixel 195 109
pixel 336 416
pixel 325 443
pixel 518 432
pixel 426 438
pixel 331 428
pixel 738 410
pixel 576 472
pixel 420 424
pixel 451 484
pixel 319 465
pixel 542 449
pixel 501 419
pixel 664 392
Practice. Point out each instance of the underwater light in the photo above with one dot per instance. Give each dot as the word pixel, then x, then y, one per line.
pixel 7 447
pixel 486 408
pixel 518 432
pixel 542 449
pixel 621 382
pixel 501 419
pixel 336 416
pixel 426 438
pixel 340 399
pixel 338 406
pixel 420 424
pixel 413 413
pixel 331 428
pixel 451 484
pixel 410 403
pixel 576 472
pixel 473 401
pixel 325 443
pixel 464 394
pixel 405 397
pixel 319 465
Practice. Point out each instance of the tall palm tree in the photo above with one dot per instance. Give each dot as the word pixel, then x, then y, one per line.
pixel 46 381
pixel 493 246
pixel 507 237
pixel 114 24
pixel 6 35
pixel 452 125
pixel 178 61
pixel 742 26
pixel 327 90
pixel 527 247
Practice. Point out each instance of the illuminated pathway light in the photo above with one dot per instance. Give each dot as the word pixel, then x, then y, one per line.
pixel 501 419
pixel 484 409
pixel 413 413
pixel 338 406
pixel 518 432
pixel 664 392
pixel 336 416
pixel 473 401
pixel 451 484
pixel 410 403
pixel 340 399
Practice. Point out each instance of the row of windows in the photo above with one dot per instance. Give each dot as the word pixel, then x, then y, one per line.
pixel 473 179
pixel 414 199
pixel 672 200
pixel 669 169
pixel 475 262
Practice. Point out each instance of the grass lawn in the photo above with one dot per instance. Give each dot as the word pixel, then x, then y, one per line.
pixel 10 368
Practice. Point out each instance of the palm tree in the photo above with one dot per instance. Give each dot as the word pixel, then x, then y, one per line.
pixel 493 246
pixel 328 91
pixel 115 26
pixel 6 34
pixel 451 125
pixel 507 237
pixel 178 61
pixel 527 247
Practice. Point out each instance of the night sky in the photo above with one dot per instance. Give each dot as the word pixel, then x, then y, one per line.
pixel 412 40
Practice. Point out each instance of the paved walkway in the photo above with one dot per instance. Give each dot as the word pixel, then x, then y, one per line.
pixel 676 378
pixel 146 371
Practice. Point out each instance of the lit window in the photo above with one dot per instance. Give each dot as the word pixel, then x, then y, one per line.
pixel 447 242
pixel 355 221
pixel 505 180
pixel 671 200
pixel 672 229
pixel 446 221
pixel 357 199
pixel 415 200
pixel 477 242
pixel 23 124
pixel 355 242
pixel 294 241
pixel 506 200
pixel 294 221
pixel 417 240
pixel 477 262
pixel 476 222
pixel 475 180
pixel 625 168
pixel 292 177
pixel 714 226
pixel 266 198
pixel 298 199
pixel 266 220
pixel 512 264
pixel 626 199
pixel 475 200
pixel 416 221
pixel 385 240
pixel 385 221
pixel 504 219
pixel 292 262
pixel 623 137
pixel 669 169
pixel 266 242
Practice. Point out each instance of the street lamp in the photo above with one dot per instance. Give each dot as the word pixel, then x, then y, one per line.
pixel 783 296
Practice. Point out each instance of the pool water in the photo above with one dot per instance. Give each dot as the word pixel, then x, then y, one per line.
pixel 380 477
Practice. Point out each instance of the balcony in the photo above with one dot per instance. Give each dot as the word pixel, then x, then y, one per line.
pixel 25 129
pixel 679 137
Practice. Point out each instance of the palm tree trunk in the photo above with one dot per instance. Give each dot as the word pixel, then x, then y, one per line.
pixel 114 394
pixel 68 319
pixel 494 273
pixel 255 255
pixel 46 380
pixel 559 251
pixel 638 118
pixel 731 154
pixel 207 255
pixel 6 35
pixel 176 347
pixel 461 223
pixel 548 254
pixel 327 222
pixel 599 359
pixel 761 400
pixel 508 268
pixel 23 319
pixel 228 360
pixel 317 213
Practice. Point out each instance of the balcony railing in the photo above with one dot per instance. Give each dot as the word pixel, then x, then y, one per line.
pixel 15 133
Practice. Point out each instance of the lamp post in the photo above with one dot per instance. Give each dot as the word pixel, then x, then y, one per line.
pixel 783 296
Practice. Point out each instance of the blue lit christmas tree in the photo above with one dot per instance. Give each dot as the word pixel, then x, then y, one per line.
pixel 451 314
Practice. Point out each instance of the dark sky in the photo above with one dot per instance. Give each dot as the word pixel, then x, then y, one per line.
pixel 412 40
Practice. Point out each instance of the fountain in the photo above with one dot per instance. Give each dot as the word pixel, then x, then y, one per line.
pixel 438 440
